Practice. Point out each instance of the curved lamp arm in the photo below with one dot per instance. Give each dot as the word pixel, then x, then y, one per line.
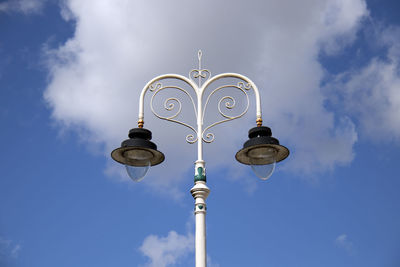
pixel 241 77
pixel 155 85
pixel 149 85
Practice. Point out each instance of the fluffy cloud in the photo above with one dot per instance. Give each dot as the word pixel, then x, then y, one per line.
pixel 164 251
pixel 171 249
pixel 210 263
pixel 372 93
pixel 341 21
pixel 343 242
pixel 22 6
pixel 97 75
pixel 8 249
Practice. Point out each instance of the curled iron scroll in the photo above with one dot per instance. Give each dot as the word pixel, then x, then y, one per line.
pixel 229 103
pixel 173 104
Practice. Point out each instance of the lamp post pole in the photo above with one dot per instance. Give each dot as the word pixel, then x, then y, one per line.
pixel 138 152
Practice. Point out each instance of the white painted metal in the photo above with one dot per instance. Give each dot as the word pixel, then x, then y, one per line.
pixel 200 191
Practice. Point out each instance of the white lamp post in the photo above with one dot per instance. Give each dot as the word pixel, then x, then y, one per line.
pixel 261 151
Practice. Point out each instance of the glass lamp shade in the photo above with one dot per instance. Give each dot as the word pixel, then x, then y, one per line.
pixel 263 161
pixel 137 163
pixel 137 173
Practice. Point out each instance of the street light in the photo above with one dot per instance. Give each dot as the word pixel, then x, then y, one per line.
pixel 261 151
pixel 138 153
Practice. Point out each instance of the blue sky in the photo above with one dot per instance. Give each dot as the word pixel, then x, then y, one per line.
pixel 70 78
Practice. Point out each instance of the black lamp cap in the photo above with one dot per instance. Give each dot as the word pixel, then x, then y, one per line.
pixel 140 133
pixel 139 139
pixel 261 137
pixel 260 131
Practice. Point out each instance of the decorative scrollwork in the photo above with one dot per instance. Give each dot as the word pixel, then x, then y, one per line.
pixel 244 86
pixel 229 103
pixel 170 106
pixel 199 75
pixel 208 137
pixel 226 105
pixel 156 86
pixel 191 139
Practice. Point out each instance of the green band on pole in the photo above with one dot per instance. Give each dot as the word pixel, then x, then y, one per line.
pixel 200 176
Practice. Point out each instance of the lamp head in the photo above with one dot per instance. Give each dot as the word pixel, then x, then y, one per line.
pixel 262 151
pixel 138 153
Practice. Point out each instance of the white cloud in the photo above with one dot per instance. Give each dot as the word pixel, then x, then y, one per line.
pixel 210 263
pixel 372 93
pixel 341 19
pixel 15 251
pixel 22 6
pixel 171 249
pixel 97 75
pixel 343 242
pixel 165 251
pixel 8 249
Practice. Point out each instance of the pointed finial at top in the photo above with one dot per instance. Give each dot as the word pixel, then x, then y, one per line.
pixel 199 54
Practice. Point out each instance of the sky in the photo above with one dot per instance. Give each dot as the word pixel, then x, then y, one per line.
pixel 71 73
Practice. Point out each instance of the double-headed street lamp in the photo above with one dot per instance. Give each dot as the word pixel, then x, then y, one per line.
pixel 261 151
